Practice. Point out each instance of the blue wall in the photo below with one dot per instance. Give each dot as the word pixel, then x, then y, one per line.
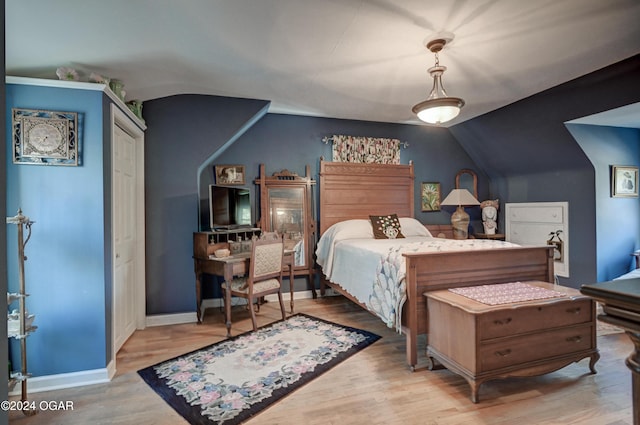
pixel 522 153
pixel 617 224
pixel 279 141
pixel 182 131
pixel 65 272
pixel 530 156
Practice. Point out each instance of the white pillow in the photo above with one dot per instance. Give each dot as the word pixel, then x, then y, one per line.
pixel 350 229
pixel 412 227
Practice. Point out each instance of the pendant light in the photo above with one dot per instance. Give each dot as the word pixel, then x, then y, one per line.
pixel 438 108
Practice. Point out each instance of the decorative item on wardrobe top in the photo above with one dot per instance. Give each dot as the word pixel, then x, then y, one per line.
pixel 286 207
pixel 365 149
pixel 439 107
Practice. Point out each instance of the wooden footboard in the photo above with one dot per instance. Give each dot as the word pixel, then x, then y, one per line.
pixel 444 270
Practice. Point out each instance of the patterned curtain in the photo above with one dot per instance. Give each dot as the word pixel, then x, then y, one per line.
pixel 366 149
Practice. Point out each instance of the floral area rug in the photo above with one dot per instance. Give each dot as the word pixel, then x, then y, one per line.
pixel 232 380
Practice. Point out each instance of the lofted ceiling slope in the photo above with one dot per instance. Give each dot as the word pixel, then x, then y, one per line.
pixel 351 59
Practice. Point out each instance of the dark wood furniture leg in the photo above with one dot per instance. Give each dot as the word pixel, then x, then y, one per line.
pixel 291 283
pixel 633 363
pixel 228 276
pixel 198 291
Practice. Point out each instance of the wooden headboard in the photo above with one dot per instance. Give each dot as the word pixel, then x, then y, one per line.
pixel 353 190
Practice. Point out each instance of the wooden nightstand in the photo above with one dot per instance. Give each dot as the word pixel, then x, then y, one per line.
pixel 497 236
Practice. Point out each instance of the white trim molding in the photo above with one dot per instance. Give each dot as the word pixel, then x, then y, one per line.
pixel 65 380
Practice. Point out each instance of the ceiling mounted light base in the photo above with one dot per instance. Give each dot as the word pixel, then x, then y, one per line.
pixel 438 108
pixel 436 45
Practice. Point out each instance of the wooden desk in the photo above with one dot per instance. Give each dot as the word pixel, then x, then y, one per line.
pixel 228 267
pixel 621 307
pixel 481 342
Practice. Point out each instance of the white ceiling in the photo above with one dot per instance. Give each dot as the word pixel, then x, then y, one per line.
pixel 352 59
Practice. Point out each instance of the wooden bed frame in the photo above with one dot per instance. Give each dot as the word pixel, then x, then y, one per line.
pixel 350 191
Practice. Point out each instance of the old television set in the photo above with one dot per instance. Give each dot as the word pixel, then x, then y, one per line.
pixel 229 207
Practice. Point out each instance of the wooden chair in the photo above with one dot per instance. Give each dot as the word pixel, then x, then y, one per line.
pixel 264 276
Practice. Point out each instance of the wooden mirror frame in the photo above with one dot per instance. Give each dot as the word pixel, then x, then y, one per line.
pixel 475 180
pixel 287 179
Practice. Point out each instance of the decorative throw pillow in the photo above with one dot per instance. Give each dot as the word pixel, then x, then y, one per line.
pixel 386 226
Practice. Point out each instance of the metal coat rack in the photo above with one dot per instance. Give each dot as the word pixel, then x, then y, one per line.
pixel 22 222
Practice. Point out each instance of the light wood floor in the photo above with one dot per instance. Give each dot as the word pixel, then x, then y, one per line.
pixel 372 387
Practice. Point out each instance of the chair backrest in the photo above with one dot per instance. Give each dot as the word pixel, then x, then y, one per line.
pixel 270 236
pixel 266 258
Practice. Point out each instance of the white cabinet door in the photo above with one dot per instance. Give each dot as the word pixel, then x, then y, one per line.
pixel 541 223
pixel 124 215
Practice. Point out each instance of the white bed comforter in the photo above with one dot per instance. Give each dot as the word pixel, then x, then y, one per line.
pixel 373 270
pixel 634 274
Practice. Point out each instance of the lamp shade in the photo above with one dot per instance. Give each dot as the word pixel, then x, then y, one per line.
pixel 460 197
pixel 438 111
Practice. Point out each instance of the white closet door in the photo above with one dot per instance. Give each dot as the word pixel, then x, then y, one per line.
pixel 124 215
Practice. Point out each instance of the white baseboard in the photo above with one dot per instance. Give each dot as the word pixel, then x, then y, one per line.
pixel 39 384
pixel 171 319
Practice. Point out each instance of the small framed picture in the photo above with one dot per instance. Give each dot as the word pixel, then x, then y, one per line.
pixel 229 174
pixel 624 181
pixel 430 196
pixel 45 137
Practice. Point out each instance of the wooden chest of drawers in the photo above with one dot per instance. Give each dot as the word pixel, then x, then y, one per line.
pixel 481 342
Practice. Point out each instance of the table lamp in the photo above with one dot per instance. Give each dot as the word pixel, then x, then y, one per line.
pixel 460 219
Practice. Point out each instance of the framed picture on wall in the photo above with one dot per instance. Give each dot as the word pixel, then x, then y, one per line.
pixel 430 196
pixel 229 174
pixel 624 181
pixel 45 137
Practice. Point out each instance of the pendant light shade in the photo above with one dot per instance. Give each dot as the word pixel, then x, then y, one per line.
pixel 438 108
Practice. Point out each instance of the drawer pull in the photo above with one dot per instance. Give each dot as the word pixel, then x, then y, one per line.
pixel 503 353
pixel 576 338
pixel 502 322
pixel 573 310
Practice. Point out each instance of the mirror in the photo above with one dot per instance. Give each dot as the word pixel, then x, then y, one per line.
pixel 467 179
pixel 286 207
pixel 286 216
